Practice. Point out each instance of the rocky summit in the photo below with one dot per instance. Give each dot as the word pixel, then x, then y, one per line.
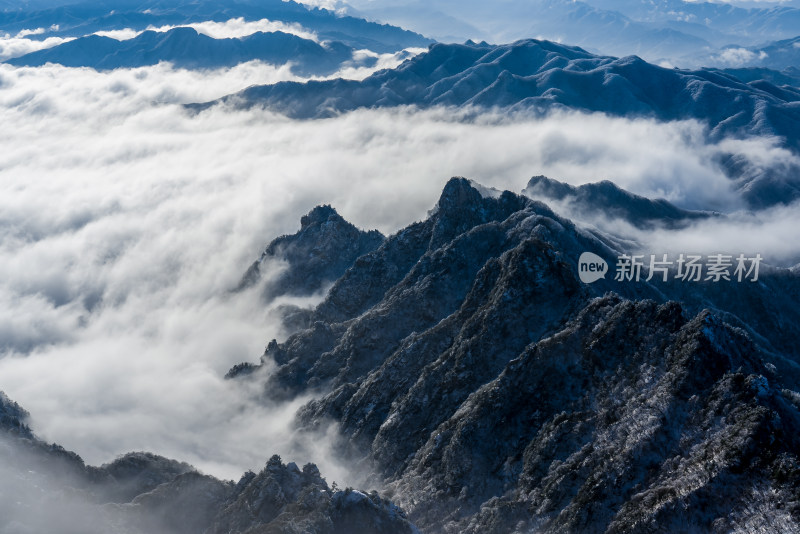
pixel 318 254
pixel 487 389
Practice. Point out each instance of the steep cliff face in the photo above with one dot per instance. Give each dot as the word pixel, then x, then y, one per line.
pixel 491 391
pixel 436 277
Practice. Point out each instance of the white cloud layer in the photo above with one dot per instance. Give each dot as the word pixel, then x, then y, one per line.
pixel 737 57
pixel 124 222
pixel 12 46
pixel 331 5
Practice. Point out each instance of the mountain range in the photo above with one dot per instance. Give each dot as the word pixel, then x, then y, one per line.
pixel 776 55
pixel 490 390
pixel 677 31
pixel 543 74
pixel 186 48
pixel 538 76
pixel 788 76
pixel 85 18
pixel 463 365
pixel 687 34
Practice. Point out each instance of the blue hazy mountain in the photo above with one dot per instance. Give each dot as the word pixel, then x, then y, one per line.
pixel 713 21
pixel 579 23
pixel 658 29
pixel 537 76
pixel 184 47
pixel 81 19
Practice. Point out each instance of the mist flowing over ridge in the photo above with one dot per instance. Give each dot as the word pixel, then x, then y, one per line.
pixel 54 491
pixel 536 76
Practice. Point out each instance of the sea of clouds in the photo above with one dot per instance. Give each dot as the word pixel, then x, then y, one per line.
pixel 125 221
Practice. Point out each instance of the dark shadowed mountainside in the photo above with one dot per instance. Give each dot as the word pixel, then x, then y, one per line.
pixel 485 389
pixel 491 390
pixel 318 254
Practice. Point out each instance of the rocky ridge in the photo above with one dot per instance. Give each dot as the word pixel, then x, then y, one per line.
pixel 317 255
pixel 608 200
pixel 491 391
pixel 487 389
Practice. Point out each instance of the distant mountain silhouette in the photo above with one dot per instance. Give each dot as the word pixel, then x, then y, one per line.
pixel 185 47
pixel 789 76
pixel 675 30
pixel 81 19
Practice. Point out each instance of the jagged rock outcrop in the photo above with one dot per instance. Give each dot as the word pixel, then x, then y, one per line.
pixel 631 419
pixel 491 391
pixel 282 498
pixel 487 390
pixel 319 253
